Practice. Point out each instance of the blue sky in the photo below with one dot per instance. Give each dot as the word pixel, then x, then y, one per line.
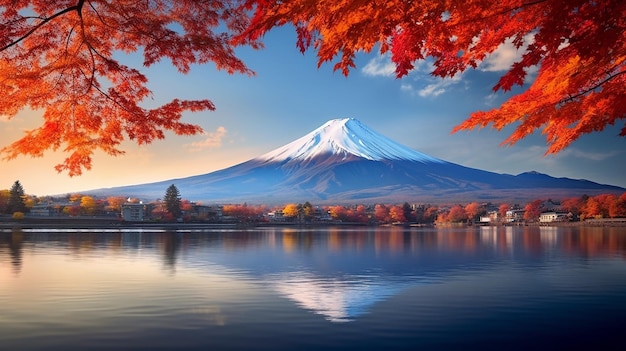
pixel 290 96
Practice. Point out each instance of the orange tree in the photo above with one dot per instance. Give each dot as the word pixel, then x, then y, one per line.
pixel 59 57
pixel 618 207
pixel 579 47
pixel 291 210
pixel 114 203
pixel 381 213
pixel 88 205
pixel 457 214
pixel 396 214
pixel 533 210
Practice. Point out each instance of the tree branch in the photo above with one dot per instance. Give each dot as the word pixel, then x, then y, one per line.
pixel 586 91
pixel 501 12
pixel 77 7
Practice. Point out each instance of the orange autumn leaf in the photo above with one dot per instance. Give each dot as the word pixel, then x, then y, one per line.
pixel 579 47
pixel 59 57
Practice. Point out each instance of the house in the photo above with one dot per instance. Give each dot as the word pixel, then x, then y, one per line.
pixel 133 212
pixel 276 216
pixel 50 208
pixel 547 217
pixel 319 214
pixel 490 217
pixel 43 210
pixel 514 215
pixel 207 213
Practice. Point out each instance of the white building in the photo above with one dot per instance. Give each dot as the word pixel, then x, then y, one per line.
pixel 548 217
pixel 276 216
pixel 491 216
pixel 515 215
pixel 133 212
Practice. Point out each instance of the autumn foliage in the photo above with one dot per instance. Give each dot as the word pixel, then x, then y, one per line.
pixel 60 57
pixel 243 211
pixel 356 214
pixel 578 46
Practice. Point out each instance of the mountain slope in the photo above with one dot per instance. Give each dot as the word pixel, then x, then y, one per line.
pixel 345 161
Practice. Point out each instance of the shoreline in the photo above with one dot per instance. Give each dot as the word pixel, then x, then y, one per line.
pixel 78 223
pixel 102 223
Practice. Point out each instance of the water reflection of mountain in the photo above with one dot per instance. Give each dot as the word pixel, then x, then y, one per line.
pixel 339 298
pixel 340 275
pixel 337 273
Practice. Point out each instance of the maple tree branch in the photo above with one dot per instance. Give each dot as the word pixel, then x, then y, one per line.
pixel 63 68
pixel 504 11
pixel 586 91
pixel 128 22
pixel 523 5
pixel 92 76
pixel 92 50
pixel 44 20
pixel 115 101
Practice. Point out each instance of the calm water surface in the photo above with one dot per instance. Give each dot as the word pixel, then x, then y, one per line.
pixel 289 289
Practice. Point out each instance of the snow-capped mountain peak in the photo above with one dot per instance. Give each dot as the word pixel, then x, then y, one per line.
pixel 343 161
pixel 346 137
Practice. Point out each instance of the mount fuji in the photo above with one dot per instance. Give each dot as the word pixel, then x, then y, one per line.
pixel 344 161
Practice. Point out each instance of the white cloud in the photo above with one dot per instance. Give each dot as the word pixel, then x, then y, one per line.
pixel 212 141
pixel 435 86
pixel 425 66
pixel 406 87
pixel 501 59
pixel 439 86
pixel 490 100
pixel 505 55
pixel 531 74
pixel 431 90
pixel 380 66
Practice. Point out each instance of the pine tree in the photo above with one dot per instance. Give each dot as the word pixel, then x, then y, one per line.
pixel 409 215
pixel 16 198
pixel 172 201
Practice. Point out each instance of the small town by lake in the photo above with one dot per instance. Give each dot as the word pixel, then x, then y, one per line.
pixel 313 288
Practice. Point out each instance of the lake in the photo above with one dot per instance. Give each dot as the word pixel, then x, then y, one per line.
pixel 488 288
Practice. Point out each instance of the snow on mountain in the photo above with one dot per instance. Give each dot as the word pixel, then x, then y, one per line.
pixel 346 137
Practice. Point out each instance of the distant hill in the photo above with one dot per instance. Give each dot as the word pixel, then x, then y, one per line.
pixel 344 161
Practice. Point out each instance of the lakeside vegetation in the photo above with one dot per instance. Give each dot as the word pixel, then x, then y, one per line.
pixel 174 208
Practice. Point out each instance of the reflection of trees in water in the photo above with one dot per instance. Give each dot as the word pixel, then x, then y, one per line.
pixel 171 248
pixel 15 250
pixel 532 240
pixel 14 247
